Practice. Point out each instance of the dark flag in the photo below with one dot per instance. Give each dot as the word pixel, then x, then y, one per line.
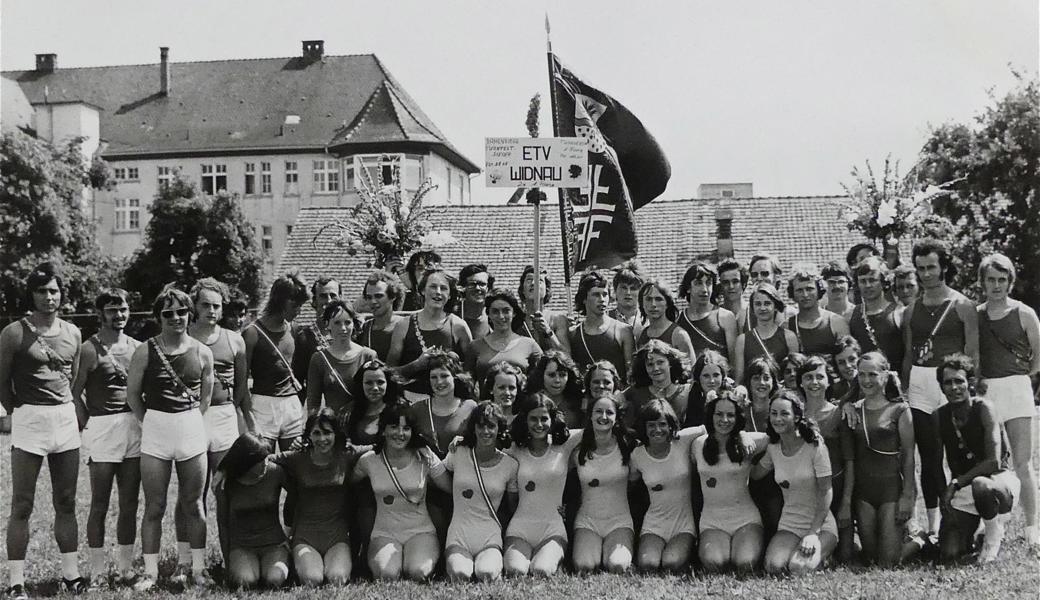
pixel 627 169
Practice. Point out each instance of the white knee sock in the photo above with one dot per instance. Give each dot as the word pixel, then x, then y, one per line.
pixel 17 570
pixel 994 535
pixel 151 565
pixel 183 553
pixel 198 560
pixel 124 557
pixel 933 520
pixel 70 565
pixel 98 561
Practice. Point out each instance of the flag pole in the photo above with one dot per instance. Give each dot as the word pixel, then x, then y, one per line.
pixel 561 193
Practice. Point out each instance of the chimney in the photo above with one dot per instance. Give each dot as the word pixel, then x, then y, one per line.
pixel 46 63
pixel 724 232
pixel 164 70
pixel 313 50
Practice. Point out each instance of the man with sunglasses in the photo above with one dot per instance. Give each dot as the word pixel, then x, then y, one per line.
pixel 475 281
pixel 112 436
pixel 169 387
pixel 39 359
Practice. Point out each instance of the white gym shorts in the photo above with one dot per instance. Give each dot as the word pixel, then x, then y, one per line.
pixel 176 436
pixel 112 438
pixel 924 392
pixel 278 417
pixel 221 426
pixel 43 429
pixel 1011 397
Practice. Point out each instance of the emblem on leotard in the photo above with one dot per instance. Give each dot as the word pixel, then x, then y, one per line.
pixel 530 486
pixel 388 499
pixel 594 483
pixel 467 494
pixel 657 488
pixel 785 484
pixel 711 482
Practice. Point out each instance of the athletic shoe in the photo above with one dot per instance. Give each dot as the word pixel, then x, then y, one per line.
pixel 99 582
pixel 202 579
pixel 16 592
pixel 144 583
pixel 128 577
pixel 75 586
pixel 181 574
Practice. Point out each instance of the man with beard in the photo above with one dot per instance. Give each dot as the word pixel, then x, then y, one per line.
pixel 112 437
pixel 599 337
pixel 39 360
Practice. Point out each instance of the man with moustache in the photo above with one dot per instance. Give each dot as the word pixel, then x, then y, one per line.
pixel 598 336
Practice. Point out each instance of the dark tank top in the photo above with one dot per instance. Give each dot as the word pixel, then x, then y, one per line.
pixel 705 333
pixel 105 389
pixel 41 369
pixel 1004 349
pixel 443 337
pixel 966 450
pixel 775 347
pixel 666 336
pixel 885 332
pixel 223 369
pixel 253 510
pixel 161 391
pixel 948 339
pixel 587 349
pixel 271 374
pixel 819 340
pixel 376 339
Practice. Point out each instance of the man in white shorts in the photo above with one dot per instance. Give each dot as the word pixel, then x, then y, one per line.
pixel 39 356
pixel 112 437
pixel 942 321
pixel 1009 353
pixel 169 387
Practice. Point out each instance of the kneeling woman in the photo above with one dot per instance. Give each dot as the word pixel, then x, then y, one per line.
pixel 731 526
pixel 320 475
pixel 404 541
pixel 253 486
pixel 807 533
pixel 603 530
pixel 483 484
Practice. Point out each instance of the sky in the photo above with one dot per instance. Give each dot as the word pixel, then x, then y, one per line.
pixel 786 95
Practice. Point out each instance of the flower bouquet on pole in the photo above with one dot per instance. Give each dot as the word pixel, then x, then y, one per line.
pixel 387 223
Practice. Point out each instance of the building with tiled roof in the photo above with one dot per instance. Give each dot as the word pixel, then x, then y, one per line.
pixel 282 133
pixel 672 233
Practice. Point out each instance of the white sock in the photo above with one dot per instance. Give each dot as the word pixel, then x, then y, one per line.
pixel 151 565
pixel 17 570
pixel 98 561
pixel 124 557
pixel 183 553
pixel 70 565
pixel 994 535
pixel 933 520
pixel 198 560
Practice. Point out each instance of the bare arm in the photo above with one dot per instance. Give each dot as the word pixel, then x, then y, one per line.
pixel 1031 325
pixel 738 357
pixel 681 340
pixel 970 317
pixel 134 379
pixel 839 325
pixel 87 363
pixel 10 340
pixel 906 460
pixel 908 346
pixel 242 398
pixel 206 391
pixel 728 321
pixel 462 334
pixel 315 382
pixel 559 327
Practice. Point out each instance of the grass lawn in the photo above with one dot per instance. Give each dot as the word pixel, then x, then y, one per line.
pixel 1016 575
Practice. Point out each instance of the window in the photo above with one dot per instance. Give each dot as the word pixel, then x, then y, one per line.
pixel 378 170
pixel 131 173
pixel 326 176
pixel 292 178
pixel 119 173
pixel 165 177
pixel 462 187
pixel 288 230
pixel 348 172
pixel 449 177
pixel 250 183
pixel 727 193
pixel 214 178
pixel 128 214
pixel 265 178
pixel 266 242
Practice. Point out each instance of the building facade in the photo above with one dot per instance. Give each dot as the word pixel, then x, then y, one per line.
pixel 280 134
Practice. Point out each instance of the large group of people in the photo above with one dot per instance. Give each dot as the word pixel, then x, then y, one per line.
pixel 465 428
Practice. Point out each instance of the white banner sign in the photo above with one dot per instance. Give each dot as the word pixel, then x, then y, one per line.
pixel 537 162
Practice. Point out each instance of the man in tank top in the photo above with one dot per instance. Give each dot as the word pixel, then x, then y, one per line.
pixel 710 327
pixel 270 347
pixel 39 359
pixel 599 337
pixel 818 330
pixel 382 294
pixel 877 320
pixel 940 322
pixel 112 437
pixel 311 338
pixel 733 279
pixel 838 283
pixel 1009 354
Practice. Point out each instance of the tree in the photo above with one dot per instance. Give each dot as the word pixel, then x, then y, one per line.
pixel 189 237
pixel 42 218
pixel 995 170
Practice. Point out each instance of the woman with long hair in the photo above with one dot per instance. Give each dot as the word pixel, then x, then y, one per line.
pixel 730 524
pixel 816 379
pixel 846 357
pixel 603 530
pixel 502 342
pixel 320 475
pixel 763 383
pixel 483 485
pixel 259 552
pixel 536 539
pixel 332 368
pixel 789 370
pixel 884 434
pixel 710 373
pixel 807 534
pixel 555 375
pixel 400 468
pixel 503 385
pixel 658 371
pixel 766 338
